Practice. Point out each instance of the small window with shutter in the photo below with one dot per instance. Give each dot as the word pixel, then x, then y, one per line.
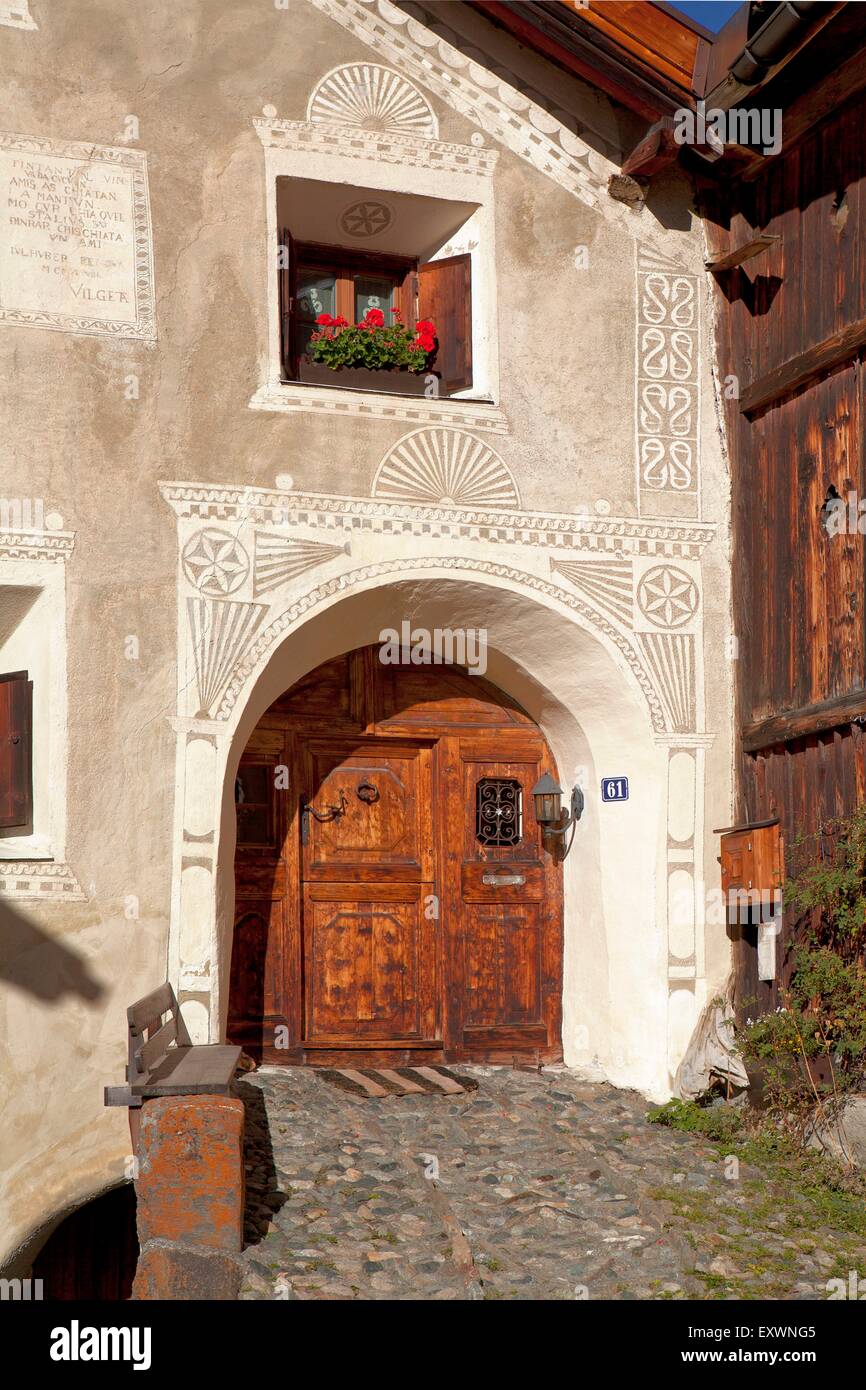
pixel 16 752
pixel 320 283
pixel 445 298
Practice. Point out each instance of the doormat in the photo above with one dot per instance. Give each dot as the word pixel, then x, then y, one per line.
pixel 372 1083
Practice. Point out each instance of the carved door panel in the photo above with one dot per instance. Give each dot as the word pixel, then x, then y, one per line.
pixel 505 943
pixel 258 966
pixel 369 938
pixel 393 901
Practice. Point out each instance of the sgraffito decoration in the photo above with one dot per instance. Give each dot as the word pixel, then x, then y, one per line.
pixel 281 558
pixel 445 465
pixel 666 373
pixel 81 213
pixel 373 98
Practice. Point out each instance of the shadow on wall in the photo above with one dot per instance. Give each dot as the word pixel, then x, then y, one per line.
pixel 41 965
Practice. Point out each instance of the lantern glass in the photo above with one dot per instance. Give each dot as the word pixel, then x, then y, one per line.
pixel 548 800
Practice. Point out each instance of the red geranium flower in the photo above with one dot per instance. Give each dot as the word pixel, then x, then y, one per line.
pixel 425 329
pixel 326 320
pixel 340 322
pixel 374 318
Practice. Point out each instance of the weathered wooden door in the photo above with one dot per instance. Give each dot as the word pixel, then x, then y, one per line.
pixel 504 901
pixel 394 901
pixel 369 948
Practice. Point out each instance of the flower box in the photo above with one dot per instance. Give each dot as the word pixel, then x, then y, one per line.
pixel 371 355
pixel 394 381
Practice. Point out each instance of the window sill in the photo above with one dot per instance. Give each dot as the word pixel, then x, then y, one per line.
pixel 25 847
pixel 292 397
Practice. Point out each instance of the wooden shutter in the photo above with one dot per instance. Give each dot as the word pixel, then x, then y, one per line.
pixel 286 274
pixel 445 296
pixel 16 788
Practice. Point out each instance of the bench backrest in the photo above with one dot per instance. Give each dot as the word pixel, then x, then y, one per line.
pixel 149 1036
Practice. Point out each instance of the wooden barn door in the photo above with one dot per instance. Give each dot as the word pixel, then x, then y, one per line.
pixel 394 901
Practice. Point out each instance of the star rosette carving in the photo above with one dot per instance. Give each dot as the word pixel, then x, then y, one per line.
pixel 215 562
pixel 667 597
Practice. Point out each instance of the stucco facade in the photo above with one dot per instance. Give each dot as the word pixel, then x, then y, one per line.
pixel 575 505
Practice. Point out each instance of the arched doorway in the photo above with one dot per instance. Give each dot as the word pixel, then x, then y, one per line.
pixel 394 903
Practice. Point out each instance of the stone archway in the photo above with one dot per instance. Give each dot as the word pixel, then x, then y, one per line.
pixel 627 976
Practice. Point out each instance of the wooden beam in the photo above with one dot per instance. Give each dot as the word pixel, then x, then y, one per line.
pixel 654 152
pixel 742 253
pixel 839 348
pixel 824 98
pixel 799 723
pixel 588 54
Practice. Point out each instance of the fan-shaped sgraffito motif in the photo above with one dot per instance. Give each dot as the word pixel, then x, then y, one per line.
pixel 607 584
pixel 447 466
pixel 670 658
pixel 221 633
pixel 279 559
pixel 374 98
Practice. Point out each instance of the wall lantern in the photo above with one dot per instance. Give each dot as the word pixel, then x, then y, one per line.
pixel 547 795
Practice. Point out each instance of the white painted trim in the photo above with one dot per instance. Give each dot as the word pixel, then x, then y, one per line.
pixel 36 561
pixel 16 15
pixel 354 157
pixel 598 534
pixel 290 398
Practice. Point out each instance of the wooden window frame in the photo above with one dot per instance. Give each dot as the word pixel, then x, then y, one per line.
pixel 20 816
pixel 346 264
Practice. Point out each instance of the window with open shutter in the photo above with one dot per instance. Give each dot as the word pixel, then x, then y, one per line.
pixel 343 284
pixel 286 273
pixel 445 297
pixel 16 722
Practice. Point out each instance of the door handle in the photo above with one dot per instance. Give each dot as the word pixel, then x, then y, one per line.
pixel 503 880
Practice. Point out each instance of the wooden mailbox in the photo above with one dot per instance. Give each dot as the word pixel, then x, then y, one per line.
pixel 751 857
pixel 753 870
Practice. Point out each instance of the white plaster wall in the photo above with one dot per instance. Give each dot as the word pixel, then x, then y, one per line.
pixel 97 421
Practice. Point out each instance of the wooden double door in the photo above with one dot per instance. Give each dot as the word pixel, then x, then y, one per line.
pixel 394 903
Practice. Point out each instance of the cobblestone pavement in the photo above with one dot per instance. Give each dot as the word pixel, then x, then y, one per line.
pixel 536 1186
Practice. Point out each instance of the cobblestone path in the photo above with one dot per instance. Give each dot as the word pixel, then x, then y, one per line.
pixel 535 1186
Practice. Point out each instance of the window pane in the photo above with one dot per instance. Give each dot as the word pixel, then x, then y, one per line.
pixel 253 783
pixel 317 293
pixel 498 811
pixel 373 293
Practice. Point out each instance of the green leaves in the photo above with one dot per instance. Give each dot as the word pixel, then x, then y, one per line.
pixel 832 892
pixel 386 348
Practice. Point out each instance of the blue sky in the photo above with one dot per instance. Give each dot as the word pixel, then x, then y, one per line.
pixel 711 13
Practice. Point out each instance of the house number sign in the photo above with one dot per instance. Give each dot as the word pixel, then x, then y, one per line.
pixel 614 789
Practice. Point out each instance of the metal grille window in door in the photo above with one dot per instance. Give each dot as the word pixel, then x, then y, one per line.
pixel 498 811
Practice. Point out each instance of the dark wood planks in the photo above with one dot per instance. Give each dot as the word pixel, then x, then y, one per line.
pixel 793 323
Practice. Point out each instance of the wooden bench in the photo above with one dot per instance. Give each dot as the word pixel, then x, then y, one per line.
pixel 163 1062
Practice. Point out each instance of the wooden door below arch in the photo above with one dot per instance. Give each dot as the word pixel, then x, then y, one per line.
pixel 394 903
